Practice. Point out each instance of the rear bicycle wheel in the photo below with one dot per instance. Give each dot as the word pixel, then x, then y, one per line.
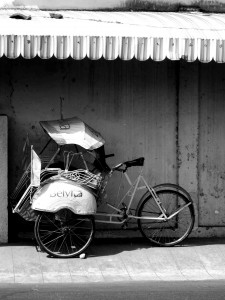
pixel 64 234
pixel 166 232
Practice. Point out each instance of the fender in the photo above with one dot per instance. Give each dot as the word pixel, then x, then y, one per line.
pixel 165 186
pixel 58 194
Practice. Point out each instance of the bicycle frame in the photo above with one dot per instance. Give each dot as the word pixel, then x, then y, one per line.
pixel 134 187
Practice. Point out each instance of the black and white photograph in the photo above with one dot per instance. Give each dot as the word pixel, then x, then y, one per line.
pixel 112 149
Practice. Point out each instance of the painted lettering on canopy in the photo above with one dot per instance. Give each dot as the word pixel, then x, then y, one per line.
pixel 67 194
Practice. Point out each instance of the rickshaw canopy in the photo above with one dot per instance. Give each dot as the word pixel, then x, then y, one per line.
pixel 73 131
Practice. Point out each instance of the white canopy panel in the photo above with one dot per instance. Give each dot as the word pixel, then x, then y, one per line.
pixel 73 131
pixel 127 35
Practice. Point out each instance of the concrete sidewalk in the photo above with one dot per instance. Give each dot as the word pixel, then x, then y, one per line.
pixel 116 260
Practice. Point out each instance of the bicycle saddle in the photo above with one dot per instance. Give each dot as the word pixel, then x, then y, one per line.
pixel 136 162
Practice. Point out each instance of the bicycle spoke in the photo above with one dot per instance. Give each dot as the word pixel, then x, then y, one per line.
pixel 48 233
pixel 49 220
pixel 59 250
pixel 51 241
pixel 79 237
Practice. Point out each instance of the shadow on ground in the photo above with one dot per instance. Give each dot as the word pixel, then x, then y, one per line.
pixel 112 246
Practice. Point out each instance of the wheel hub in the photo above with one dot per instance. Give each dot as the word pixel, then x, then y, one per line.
pixel 65 230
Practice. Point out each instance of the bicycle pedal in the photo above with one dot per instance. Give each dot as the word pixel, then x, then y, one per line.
pixel 124 226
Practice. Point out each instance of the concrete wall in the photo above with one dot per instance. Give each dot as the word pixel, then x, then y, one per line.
pixel 3 179
pixel 158 5
pixel 170 112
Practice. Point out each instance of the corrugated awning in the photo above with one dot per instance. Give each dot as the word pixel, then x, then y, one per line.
pixel 127 35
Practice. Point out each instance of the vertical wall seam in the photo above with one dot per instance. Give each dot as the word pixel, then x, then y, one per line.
pixel 198 140
pixel 177 84
pixel 61 99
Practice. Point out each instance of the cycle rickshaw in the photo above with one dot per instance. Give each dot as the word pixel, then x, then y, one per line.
pixel 61 196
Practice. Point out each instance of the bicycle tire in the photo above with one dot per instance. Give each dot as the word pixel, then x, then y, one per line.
pixel 64 234
pixel 172 231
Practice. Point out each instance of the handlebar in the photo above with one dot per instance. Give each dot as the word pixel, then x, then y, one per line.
pixel 139 162
pixel 122 167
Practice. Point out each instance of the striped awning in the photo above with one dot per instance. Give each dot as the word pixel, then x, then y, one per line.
pixel 127 35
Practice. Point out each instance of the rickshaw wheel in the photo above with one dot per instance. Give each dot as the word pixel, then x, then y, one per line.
pixel 64 234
